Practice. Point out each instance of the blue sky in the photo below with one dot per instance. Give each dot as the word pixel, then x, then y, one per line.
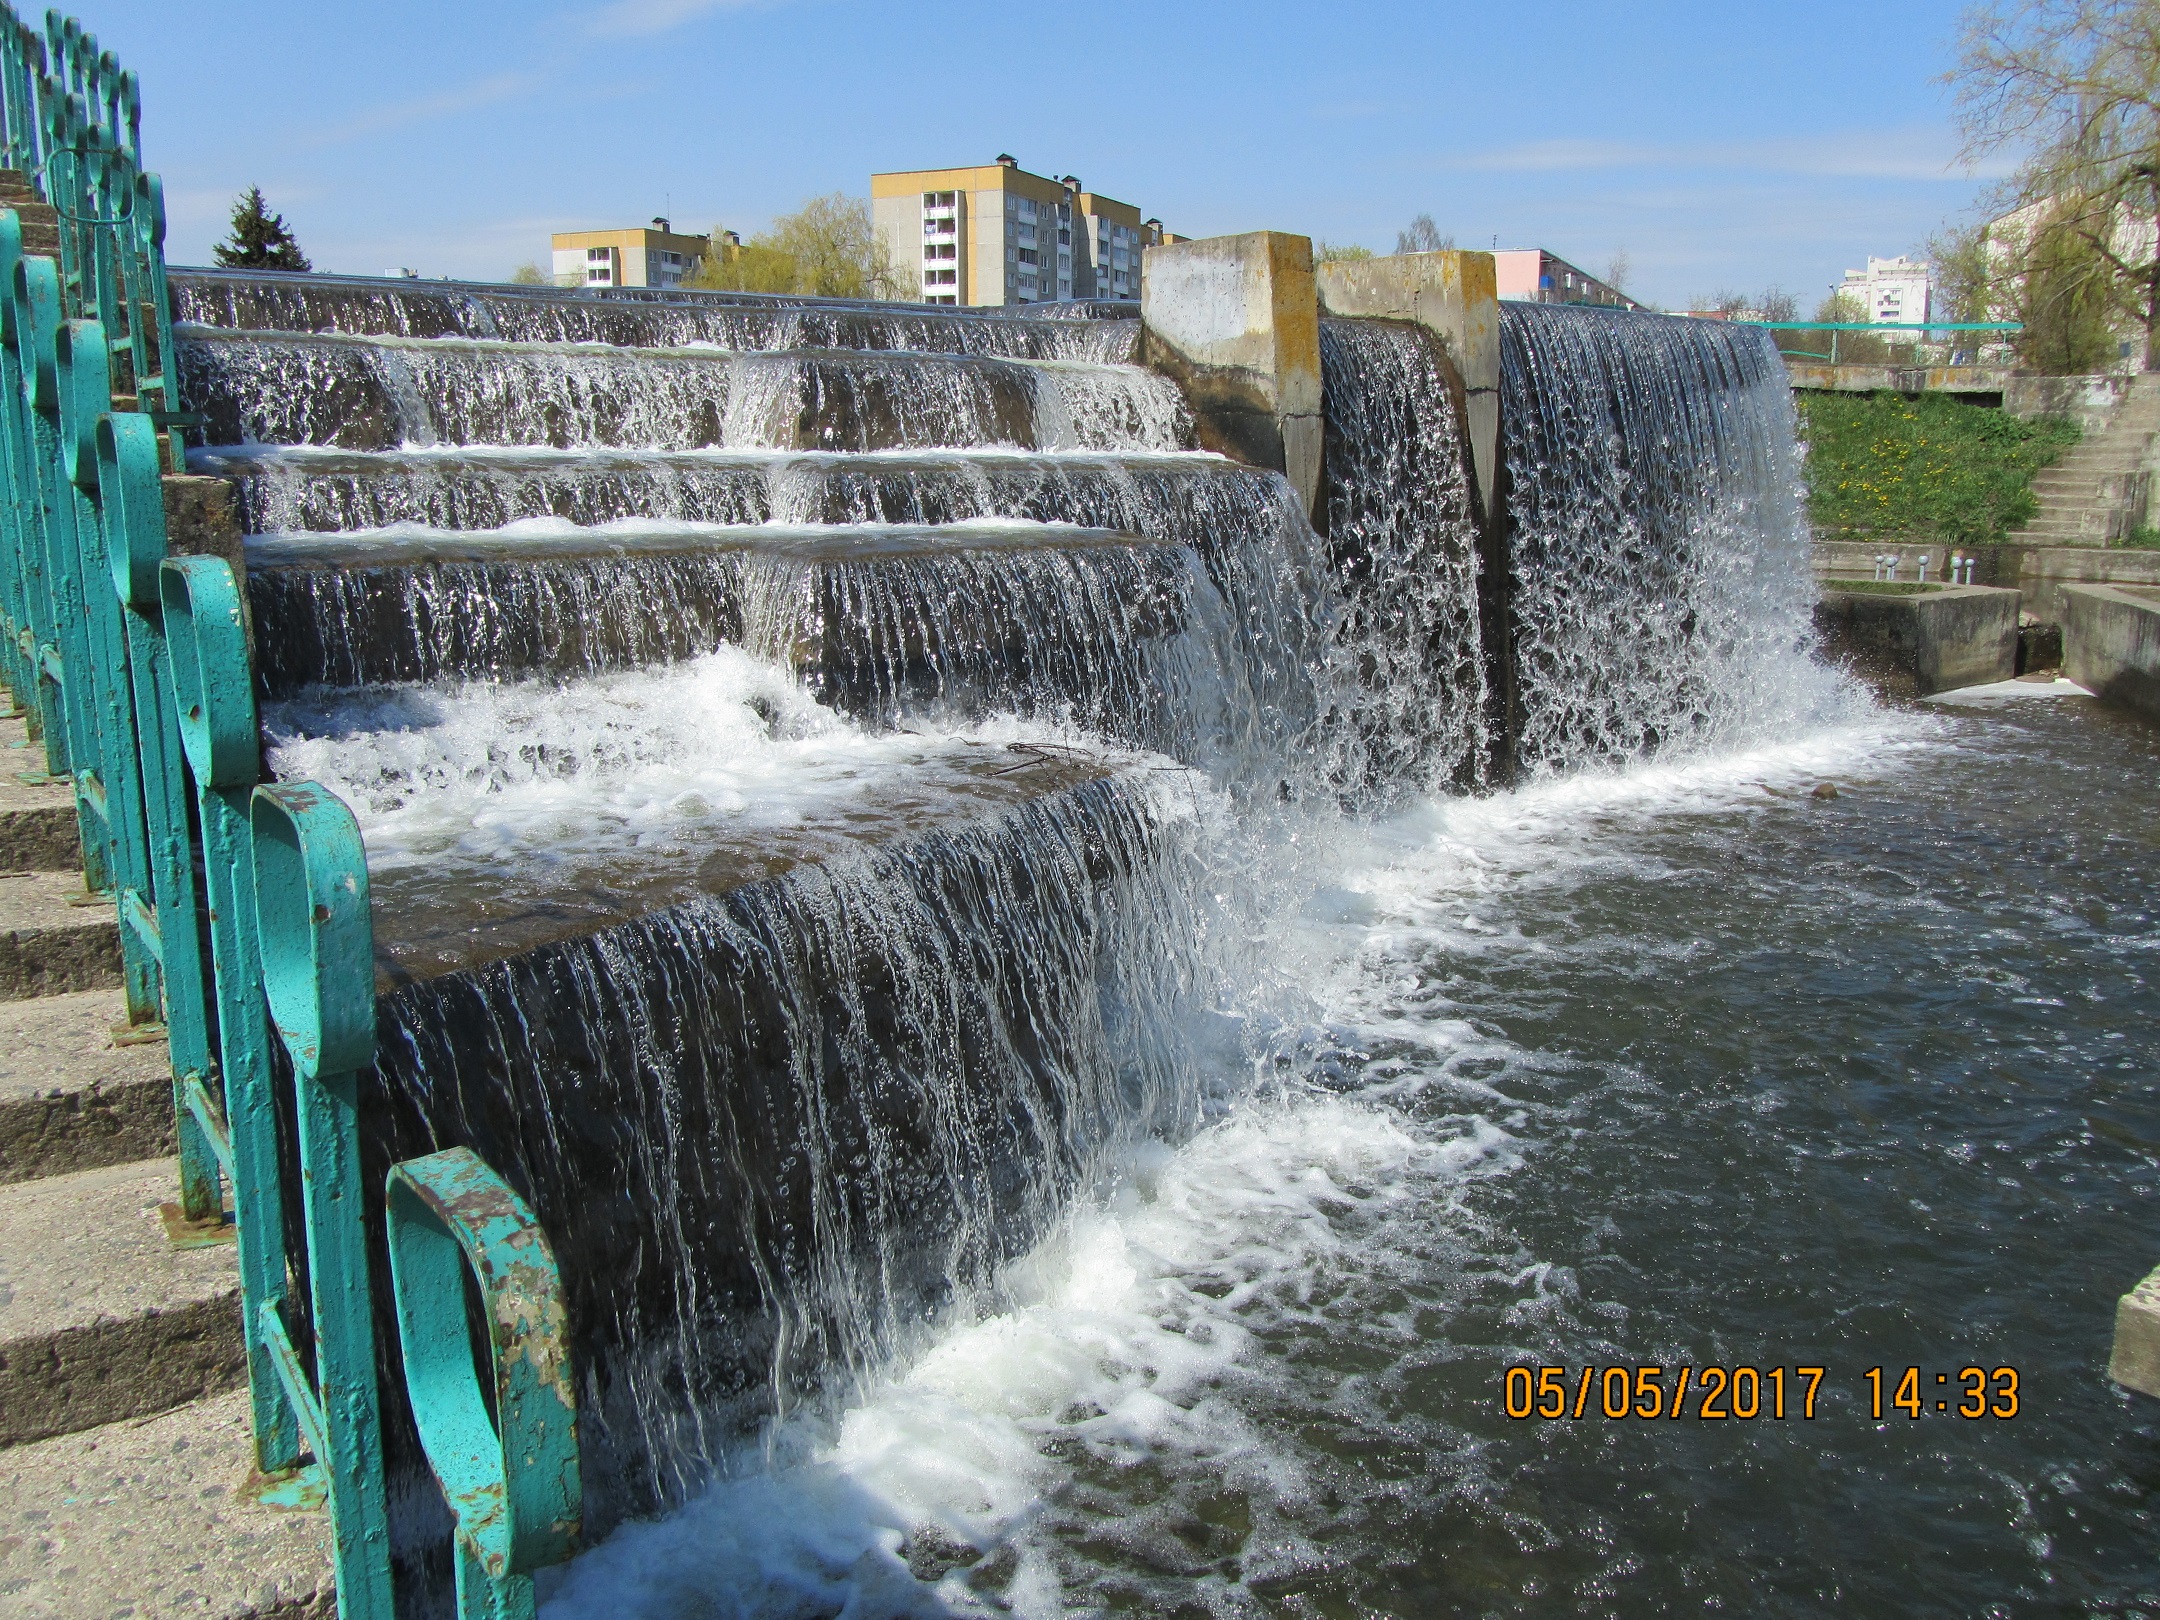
pixel 1718 145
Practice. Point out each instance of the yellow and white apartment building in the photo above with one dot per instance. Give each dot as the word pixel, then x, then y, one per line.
pixel 996 234
pixel 658 256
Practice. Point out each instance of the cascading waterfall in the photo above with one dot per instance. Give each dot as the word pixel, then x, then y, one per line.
pixel 803 749
pixel 1402 540
pixel 1660 567
pixel 381 393
pixel 253 302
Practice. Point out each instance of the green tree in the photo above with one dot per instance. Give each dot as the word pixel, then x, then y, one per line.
pixel 828 248
pixel 1339 252
pixel 260 239
pixel 2073 87
pixel 529 274
pixel 2067 296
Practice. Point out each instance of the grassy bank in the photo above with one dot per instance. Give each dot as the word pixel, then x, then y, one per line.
pixel 1926 469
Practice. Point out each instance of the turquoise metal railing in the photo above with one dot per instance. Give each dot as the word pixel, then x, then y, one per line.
pixel 242 906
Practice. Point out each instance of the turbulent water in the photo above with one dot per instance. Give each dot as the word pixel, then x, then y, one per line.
pixel 1059 1081
pixel 1675 1065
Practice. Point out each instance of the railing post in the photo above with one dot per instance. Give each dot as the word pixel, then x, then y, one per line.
pixel 130 501
pixel 511 1478
pixel 214 696
pixel 312 921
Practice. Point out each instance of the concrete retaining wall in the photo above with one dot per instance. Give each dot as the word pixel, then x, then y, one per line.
pixel 2111 643
pixel 2042 572
pixel 1235 322
pixel 2091 401
pixel 1453 295
pixel 1928 641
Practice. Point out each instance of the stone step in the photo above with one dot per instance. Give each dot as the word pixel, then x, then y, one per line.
pixel 49 945
pixel 70 1099
pixel 157 1517
pixel 38 830
pixel 103 1316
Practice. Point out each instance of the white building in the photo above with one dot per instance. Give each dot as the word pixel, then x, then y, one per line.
pixel 1892 292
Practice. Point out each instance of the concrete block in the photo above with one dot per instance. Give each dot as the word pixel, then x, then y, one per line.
pixel 102 1317
pixel 2135 1361
pixel 1235 322
pixel 48 944
pixel 70 1099
pixel 157 1518
pixel 2111 643
pixel 1453 295
pixel 1934 640
pixel 2042 572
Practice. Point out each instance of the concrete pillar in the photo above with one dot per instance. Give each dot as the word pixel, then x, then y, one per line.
pixel 1235 322
pixel 1453 295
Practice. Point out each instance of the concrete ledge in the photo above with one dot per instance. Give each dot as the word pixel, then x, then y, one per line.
pixel 1235 322
pixel 2111 644
pixel 1847 378
pixel 2042 572
pixel 2135 1361
pixel 102 1318
pixel 156 1518
pixel 47 945
pixel 69 1098
pixel 1453 295
pixel 1927 641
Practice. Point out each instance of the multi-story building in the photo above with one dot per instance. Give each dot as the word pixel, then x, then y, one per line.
pixel 996 234
pixel 1533 276
pixel 656 256
pixel 1890 291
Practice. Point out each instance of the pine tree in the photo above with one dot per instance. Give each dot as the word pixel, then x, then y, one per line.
pixel 260 240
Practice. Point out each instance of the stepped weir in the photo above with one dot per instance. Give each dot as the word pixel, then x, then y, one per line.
pixel 709 814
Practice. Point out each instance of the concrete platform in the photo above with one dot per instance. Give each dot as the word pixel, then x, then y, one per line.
pixel 1922 641
pixel 69 1098
pixel 153 1519
pixel 102 1317
pixel 48 946
pixel 2111 643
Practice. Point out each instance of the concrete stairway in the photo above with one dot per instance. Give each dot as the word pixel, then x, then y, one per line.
pixel 2098 492
pixel 125 1457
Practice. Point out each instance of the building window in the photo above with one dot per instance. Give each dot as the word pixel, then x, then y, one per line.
pixel 597 255
pixel 596 274
pixel 1027 256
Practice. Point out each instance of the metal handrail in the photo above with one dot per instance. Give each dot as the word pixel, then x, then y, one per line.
pixel 133 670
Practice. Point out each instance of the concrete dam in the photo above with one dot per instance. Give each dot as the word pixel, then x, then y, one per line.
pixel 840 958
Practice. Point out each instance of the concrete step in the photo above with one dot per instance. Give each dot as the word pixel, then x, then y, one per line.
pixel 38 830
pixel 70 1099
pixel 156 1517
pixel 49 945
pixel 103 1317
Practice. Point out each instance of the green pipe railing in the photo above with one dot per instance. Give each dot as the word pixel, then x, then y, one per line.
pixel 242 906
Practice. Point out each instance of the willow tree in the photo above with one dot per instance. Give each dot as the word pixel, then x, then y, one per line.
pixel 2074 86
pixel 828 248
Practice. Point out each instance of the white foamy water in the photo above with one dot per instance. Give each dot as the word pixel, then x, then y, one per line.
pixel 479 771
pixel 1110 1348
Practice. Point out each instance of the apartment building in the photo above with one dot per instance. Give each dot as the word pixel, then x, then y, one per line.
pixel 996 234
pixel 1534 276
pixel 1891 291
pixel 654 256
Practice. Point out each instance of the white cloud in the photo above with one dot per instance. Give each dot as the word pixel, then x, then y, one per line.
pixel 480 93
pixel 640 17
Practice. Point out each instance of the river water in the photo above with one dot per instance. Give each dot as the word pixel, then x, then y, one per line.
pixel 1688 1064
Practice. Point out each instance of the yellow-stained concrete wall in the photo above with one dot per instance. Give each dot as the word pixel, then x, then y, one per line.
pixel 1235 320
